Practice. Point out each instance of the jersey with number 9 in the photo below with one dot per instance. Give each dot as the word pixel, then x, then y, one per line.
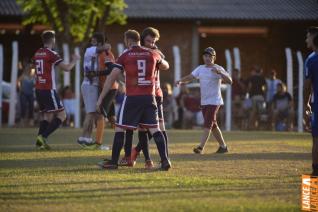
pixel 139 65
pixel 44 61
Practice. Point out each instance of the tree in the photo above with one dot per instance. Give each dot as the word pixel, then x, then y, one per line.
pixel 73 20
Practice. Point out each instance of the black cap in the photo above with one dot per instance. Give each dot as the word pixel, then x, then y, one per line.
pixel 209 51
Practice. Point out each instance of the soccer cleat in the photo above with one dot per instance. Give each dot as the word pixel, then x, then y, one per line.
pixel 134 155
pixel 198 150
pixel 126 161
pixel 165 165
pixel 41 143
pixel 84 141
pixel 149 164
pixel 107 165
pixel 91 146
pixel 222 150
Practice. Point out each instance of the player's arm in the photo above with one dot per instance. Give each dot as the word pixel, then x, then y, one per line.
pixel 163 65
pixel 307 94
pixel 107 86
pixel 67 67
pixel 185 80
pixel 226 78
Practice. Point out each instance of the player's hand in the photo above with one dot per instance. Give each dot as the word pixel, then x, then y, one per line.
pixel 98 106
pixel 308 108
pixel 216 70
pixel 177 83
pixel 76 57
pixel 90 74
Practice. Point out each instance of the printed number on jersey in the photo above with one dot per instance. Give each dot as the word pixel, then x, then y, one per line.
pixel 141 64
pixel 39 67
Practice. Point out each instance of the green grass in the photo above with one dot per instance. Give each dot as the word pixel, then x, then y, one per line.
pixel 261 173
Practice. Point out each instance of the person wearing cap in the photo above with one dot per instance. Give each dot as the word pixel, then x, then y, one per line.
pixel 211 76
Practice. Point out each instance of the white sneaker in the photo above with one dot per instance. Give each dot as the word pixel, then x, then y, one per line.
pixel 104 147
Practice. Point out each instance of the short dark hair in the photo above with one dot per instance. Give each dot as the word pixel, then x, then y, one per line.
pixel 99 36
pixel 314 31
pixel 47 36
pixel 150 31
pixel 132 35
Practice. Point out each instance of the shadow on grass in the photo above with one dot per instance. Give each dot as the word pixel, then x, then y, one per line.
pixel 243 156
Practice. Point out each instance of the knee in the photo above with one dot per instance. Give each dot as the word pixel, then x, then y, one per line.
pixel 61 115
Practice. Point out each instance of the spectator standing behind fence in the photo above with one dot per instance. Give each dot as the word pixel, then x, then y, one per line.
pixel 272 83
pixel 26 84
pixel 257 90
pixel 238 95
pixel 168 104
pixel 283 109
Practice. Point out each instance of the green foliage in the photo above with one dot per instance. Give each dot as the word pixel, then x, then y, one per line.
pixel 71 18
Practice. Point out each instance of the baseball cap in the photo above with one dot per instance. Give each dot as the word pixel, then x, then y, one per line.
pixel 209 51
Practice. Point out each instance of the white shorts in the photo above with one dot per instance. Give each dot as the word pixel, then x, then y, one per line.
pixel 90 97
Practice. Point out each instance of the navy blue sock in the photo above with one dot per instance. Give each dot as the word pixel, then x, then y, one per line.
pixel 143 144
pixel 166 139
pixel 55 123
pixel 315 167
pixel 43 126
pixel 128 142
pixel 117 146
pixel 161 145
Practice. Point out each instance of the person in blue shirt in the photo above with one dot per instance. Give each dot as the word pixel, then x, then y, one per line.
pixel 311 91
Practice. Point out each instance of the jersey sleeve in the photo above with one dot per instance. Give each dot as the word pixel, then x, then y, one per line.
pixel 196 72
pixel 308 69
pixel 55 58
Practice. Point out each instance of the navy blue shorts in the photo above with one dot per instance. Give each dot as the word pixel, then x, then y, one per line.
pixel 48 101
pixel 138 111
pixel 159 101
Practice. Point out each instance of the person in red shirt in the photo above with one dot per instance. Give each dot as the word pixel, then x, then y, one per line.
pixel 139 106
pixel 45 60
pixel 149 37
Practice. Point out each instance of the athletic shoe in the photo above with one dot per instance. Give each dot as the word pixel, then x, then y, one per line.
pixel 91 146
pixel 165 165
pixel 83 141
pixel 107 165
pixel 222 150
pixel 134 155
pixel 126 161
pixel 149 164
pixel 198 150
pixel 41 143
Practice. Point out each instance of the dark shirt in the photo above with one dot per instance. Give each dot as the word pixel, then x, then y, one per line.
pixel 257 83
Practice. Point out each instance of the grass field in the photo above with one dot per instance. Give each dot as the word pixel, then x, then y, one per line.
pixel 261 173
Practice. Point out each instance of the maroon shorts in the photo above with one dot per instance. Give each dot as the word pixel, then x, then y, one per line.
pixel 209 114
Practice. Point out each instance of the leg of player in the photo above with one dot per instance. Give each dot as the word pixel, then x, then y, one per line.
pixel 126 160
pixel 100 125
pixel 143 145
pixel 161 146
pixel 52 126
pixel 219 137
pixel 118 144
pixel 87 130
pixel 164 132
pixel 204 138
pixel 40 140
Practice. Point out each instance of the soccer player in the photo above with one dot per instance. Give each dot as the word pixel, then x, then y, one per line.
pixel 211 76
pixel 45 60
pixel 149 37
pixel 311 91
pixel 89 88
pixel 139 106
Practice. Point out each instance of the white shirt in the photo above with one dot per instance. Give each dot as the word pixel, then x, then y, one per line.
pixel 90 56
pixel 210 84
